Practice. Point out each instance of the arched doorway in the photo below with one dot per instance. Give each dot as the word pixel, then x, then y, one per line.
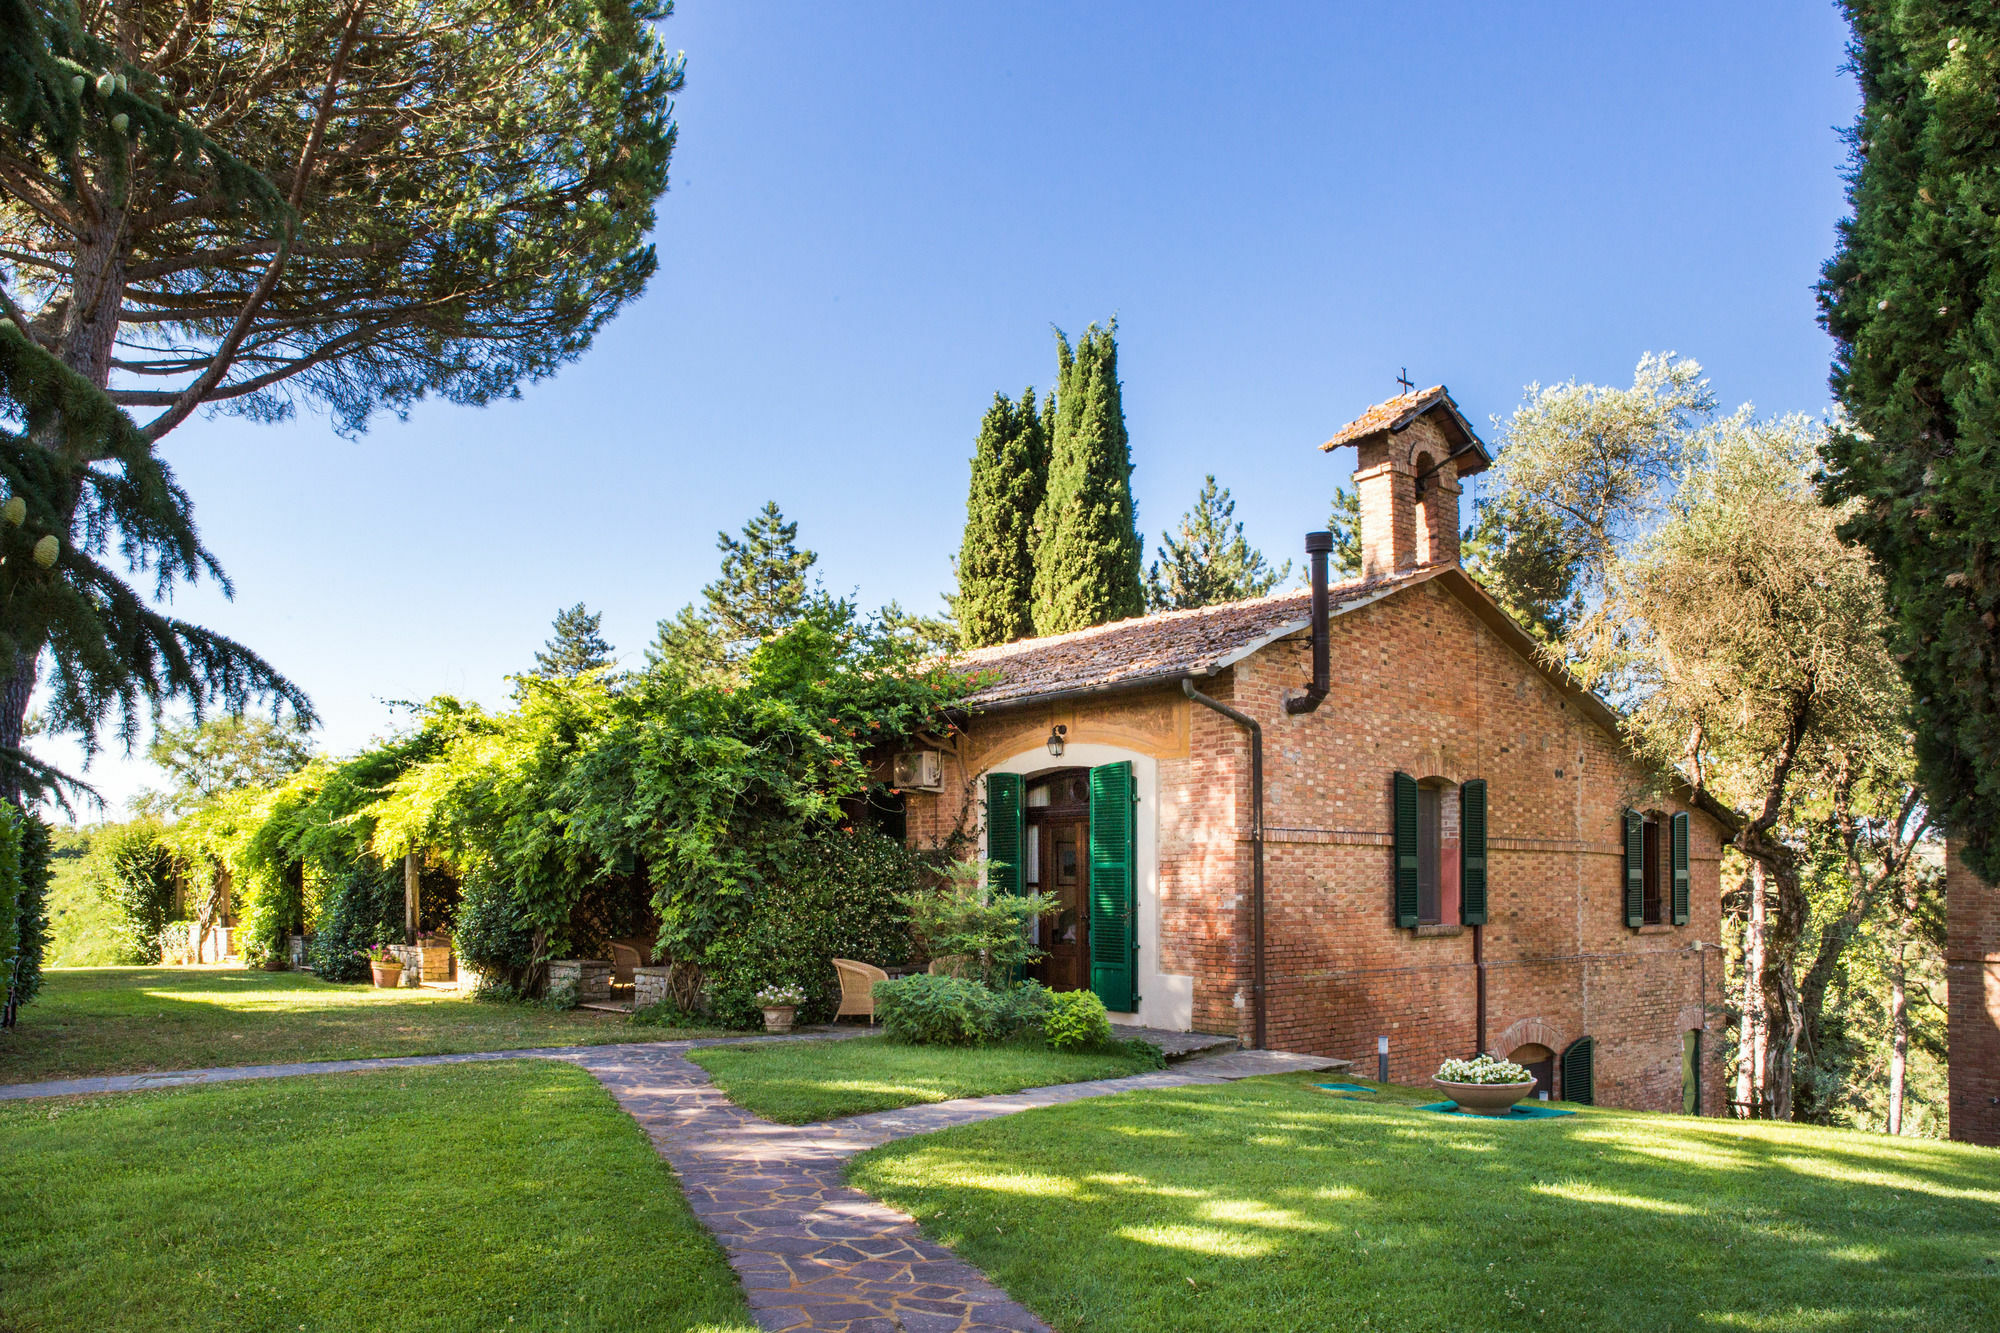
pixel 1057 816
pixel 1540 1061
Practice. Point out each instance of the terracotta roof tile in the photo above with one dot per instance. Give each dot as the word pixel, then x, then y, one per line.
pixel 1381 416
pixel 1170 643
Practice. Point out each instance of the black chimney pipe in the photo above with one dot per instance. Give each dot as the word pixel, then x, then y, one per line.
pixel 1318 545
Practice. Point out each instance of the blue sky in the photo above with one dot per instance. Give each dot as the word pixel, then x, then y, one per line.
pixel 878 212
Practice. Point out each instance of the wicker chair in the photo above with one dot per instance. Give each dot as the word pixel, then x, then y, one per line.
pixel 857 988
pixel 624 958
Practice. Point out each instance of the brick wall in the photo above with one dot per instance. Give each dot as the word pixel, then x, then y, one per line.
pixel 1972 960
pixel 1422 686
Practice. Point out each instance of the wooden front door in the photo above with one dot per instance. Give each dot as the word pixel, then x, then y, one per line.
pixel 1058 818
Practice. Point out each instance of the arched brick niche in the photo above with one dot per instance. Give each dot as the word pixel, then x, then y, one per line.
pixel 1525 1032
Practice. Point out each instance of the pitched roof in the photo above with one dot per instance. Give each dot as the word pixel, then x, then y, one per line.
pixel 1160 647
pixel 1395 414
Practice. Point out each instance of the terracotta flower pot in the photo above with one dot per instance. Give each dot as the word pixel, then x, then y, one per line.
pixel 778 1017
pixel 1484 1098
pixel 387 975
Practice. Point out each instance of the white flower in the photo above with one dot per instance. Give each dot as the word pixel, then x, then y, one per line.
pixel 1483 1069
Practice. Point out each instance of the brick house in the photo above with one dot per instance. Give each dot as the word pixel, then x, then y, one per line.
pixel 1972 983
pixel 1453 850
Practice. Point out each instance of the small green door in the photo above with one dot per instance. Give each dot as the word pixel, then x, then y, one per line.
pixel 1691 1072
pixel 1114 905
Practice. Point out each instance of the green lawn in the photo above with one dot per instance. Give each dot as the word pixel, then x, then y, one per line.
pixel 499 1196
pixel 1269 1205
pixel 799 1082
pixel 125 1020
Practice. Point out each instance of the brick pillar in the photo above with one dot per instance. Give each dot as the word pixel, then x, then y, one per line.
pixel 1972 970
pixel 1437 518
pixel 1386 485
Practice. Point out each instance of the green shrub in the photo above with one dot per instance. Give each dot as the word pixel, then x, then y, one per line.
pixel 967 920
pixel 666 1014
pixel 175 938
pixel 489 937
pixel 24 884
pixel 833 894
pixel 131 869
pixel 924 1010
pixel 1076 1021
pixel 31 906
pixel 363 906
pixel 561 997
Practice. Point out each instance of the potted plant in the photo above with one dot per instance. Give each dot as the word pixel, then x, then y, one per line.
pixel 779 1003
pixel 1483 1085
pixel 386 968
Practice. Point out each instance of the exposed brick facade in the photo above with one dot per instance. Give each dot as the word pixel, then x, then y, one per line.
pixel 1420 685
pixel 1428 680
pixel 1972 960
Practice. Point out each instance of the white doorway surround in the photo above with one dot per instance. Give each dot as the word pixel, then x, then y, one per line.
pixel 1166 1000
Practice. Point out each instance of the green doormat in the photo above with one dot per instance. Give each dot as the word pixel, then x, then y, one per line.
pixel 1532 1111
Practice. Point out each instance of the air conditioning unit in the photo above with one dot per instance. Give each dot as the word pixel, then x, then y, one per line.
pixel 919 770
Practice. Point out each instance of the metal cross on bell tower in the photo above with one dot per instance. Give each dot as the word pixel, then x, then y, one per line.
pixel 1404 380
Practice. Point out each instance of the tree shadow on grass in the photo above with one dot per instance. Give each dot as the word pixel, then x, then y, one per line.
pixel 141 1020
pixel 1269 1205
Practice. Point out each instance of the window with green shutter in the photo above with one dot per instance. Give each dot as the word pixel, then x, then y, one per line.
pixel 1006 832
pixel 1405 825
pixel 1680 855
pixel 1578 1059
pixel 1114 907
pixel 1635 869
pixel 1472 852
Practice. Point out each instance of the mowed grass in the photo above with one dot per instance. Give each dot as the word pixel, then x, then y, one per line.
pixel 509 1196
pixel 128 1020
pixel 800 1082
pixel 1270 1205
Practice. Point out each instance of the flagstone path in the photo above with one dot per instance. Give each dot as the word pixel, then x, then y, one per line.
pixel 811 1252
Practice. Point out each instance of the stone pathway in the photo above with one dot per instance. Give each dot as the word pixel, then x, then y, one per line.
pixel 811 1252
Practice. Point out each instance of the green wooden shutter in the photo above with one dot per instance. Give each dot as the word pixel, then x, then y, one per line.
pixel 1577 1061
pixel 1405 825
pixel 1635 868
pixel 1680 904
pixel 1472 852
pixel 1006 841
pixel 1114 857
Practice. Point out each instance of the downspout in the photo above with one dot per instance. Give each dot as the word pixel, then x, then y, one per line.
pixel 1479 966
pixel 1249 724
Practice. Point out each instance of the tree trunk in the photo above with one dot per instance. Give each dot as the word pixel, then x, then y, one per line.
pixel 1751 1043
pixel 1899 1015
pixel 84 342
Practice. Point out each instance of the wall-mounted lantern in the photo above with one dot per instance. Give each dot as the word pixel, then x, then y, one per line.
pixel 1056 735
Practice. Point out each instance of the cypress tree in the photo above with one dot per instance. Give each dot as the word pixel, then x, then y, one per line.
pixel 1088 553
pixel 1210 561
pixel 996 559
pixel 1912 301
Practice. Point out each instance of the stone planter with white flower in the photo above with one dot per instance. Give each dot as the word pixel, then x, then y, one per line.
pixel 1483 1085
pixel 779 1003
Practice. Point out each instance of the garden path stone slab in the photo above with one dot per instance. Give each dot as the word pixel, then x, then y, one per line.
pixel 811 1252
